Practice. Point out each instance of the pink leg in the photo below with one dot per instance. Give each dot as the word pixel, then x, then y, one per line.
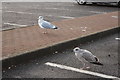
pixel 45 32
pixel 84 66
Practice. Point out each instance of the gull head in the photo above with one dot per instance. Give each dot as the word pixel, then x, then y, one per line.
pixel 76 50
pixel 40 18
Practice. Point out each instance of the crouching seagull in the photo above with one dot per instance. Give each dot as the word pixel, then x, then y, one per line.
pixel 86 56
pixel 45 24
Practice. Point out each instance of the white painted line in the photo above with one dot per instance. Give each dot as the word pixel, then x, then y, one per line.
pixel 52 8
pixel 57 8
pixel 81 71
pixel 66 17
pixel 97 12
pixel 117 38
pixel 19 12
pixel 15 24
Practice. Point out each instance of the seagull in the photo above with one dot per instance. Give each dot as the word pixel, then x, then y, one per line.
pixel 45 24
pixel 86 56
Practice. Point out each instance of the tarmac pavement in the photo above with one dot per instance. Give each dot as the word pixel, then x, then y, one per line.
pixel 22 14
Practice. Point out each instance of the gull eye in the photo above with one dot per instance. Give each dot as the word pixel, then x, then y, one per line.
pixel 76 49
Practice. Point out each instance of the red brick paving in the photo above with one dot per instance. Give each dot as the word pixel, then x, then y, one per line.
pixel 20 40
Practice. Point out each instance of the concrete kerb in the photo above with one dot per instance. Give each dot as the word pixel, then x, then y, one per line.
pixel 59 47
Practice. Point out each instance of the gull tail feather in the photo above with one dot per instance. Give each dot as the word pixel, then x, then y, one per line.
pixel 97 63
pixel 56 27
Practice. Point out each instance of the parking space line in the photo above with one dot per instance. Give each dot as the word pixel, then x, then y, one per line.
pixel 57 8
pixel 66 17
pixel 18 12
pixel 15 24
pixel 117 38
pixel 80 71
pixel 97 12
pixel 52 8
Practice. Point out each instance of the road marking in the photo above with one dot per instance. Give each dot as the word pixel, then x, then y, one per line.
pixel 19 12
pixel 56 8
pixel 81 71
pixel 97 12
pixel 66 17
pixel 117 38
pixel 15 24
pixel 52 8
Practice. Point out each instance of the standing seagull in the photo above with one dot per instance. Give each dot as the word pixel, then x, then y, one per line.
pixel 86 56
pixel 44 24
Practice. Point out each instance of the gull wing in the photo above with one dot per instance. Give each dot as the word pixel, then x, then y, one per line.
pixel 88 56
pixel 48 25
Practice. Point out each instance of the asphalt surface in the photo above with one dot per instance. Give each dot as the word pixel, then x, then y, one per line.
pixel 106 49
pixel 22 14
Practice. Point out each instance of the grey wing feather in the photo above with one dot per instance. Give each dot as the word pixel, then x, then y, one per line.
pixel 88 56
pixel 47 25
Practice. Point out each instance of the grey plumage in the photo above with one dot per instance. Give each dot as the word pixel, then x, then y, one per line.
pixel 45 24
pixel 85 55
